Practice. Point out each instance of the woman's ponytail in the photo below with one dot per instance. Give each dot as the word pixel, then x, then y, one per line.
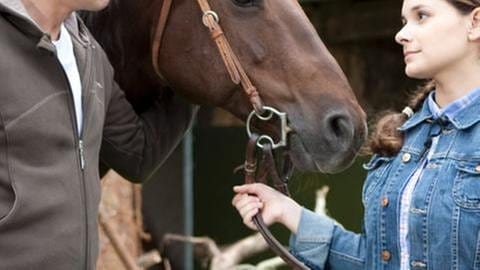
pixel 385 139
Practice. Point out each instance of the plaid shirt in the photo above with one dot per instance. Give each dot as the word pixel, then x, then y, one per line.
pixel 448 113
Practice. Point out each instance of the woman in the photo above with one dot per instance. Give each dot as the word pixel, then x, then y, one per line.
pixel 422 192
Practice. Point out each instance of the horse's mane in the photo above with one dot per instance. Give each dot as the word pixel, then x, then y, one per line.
pixel 125 37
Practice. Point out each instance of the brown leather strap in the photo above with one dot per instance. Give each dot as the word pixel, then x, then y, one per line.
pixel 158 36
pixel 232 64
pixel 252 175
pixel 250 165
pixel 276 246
pixel 277 180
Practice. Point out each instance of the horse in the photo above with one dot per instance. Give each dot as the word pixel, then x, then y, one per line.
pixel 278 48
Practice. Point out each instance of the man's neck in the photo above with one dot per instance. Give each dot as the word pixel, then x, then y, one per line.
pixel 48 14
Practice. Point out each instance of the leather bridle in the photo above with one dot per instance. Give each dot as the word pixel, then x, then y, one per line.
pixel 210 19
pixel 255 170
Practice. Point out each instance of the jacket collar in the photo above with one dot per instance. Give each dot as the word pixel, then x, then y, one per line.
pixel 468 116
pixel 463 119
pixel 420 116
pixel 16 7
pixel 19 16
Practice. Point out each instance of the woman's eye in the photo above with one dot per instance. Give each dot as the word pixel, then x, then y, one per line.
pixel 422 16
pixel 244 3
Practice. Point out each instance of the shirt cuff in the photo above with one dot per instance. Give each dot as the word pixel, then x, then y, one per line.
pixel 311 244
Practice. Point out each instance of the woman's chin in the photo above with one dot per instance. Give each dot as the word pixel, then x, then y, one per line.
pixel 416 73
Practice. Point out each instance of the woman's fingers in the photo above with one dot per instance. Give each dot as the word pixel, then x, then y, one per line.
pixel 251 198
pixel 240 200
pixel 258 189
pixel 248 207
pixel 237 198
pixel 249 188
pixel 248 218
pixel 248 215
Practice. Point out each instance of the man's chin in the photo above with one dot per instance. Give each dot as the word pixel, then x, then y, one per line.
pixel 96 5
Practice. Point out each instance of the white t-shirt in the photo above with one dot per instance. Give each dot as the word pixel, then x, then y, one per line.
pixel 66 57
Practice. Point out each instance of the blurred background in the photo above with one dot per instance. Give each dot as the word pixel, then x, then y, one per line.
pixel 191 194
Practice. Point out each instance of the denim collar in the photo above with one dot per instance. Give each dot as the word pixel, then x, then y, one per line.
pixel 420 116
pixel 468 116
pixel 462 113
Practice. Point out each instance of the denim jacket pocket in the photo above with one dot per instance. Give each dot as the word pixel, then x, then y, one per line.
pixel 376 168
pixel 466 186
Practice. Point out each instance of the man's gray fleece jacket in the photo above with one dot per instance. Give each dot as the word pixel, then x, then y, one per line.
pixel 49 182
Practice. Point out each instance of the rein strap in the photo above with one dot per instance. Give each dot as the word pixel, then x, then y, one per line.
pixel 258 173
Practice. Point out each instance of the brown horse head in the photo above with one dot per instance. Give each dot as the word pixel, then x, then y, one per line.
pixel 279 50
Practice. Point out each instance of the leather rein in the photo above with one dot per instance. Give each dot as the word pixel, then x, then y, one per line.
pixel 256 170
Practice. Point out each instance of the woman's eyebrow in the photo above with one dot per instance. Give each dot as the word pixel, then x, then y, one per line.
pixel 413 9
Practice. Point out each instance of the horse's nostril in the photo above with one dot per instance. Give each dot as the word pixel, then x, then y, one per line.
pixel 337 126
pixel 339 129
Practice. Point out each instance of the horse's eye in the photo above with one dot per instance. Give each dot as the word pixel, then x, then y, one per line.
pixel 244 3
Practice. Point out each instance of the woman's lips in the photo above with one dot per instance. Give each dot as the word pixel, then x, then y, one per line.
pixel 408 53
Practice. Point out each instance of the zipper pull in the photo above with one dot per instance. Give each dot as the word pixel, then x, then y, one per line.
pixel 82 154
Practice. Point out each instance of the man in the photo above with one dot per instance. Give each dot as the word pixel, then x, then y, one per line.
pixel 60 111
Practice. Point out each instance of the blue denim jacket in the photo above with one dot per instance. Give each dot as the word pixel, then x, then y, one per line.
pixel 444 221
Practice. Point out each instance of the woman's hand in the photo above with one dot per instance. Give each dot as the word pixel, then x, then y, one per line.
pixel 275 207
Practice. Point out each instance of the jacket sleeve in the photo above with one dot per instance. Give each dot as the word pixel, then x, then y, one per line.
pixel 322 243
pixel 135 145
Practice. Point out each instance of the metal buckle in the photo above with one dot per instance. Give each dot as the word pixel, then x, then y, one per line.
pixel 209 13
pixel 283 122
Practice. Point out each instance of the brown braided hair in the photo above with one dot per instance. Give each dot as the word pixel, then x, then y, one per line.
pixel 386 140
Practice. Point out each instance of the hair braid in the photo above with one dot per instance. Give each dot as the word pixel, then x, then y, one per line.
pixel 386 140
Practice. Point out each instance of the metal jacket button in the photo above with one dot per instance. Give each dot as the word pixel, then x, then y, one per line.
pixel 406 157
pixel 477 168
pixel 384 202
pixel 386 255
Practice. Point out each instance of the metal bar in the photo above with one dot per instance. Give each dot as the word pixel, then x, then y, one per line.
pixel 188 164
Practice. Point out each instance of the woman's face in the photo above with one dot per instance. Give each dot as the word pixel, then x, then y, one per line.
pixel 434 38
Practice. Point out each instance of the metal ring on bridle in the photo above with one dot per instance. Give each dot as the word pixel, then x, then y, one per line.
pixel 283 129
pixel 263 138
pixel 268 114
pixel 209 13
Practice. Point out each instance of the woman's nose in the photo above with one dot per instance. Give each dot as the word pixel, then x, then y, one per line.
pixel 402 36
